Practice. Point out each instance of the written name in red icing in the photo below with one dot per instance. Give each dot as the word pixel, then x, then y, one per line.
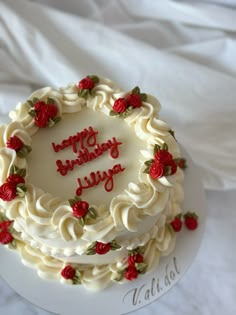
pixel 97 177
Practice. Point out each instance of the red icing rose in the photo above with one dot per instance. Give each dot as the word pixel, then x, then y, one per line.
pixel 39 106
pixel 120 105
pixel 131 273
pixel 156 170
pixel 15 179
pixel 80 209
pixel 164 157
pixel 51 110
pixel 176 224
pixel 86 83
pixel 5 224
pixel 41 119
pixel 137 258
pixel 191 223
pixel 5 237
pixel 134 100
pixel 102 248
pixel 68 272
pixel 8 191
pixel 15 143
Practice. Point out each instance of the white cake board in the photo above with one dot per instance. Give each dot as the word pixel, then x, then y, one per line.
pixel 118 299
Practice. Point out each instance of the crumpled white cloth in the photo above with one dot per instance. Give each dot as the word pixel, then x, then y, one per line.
pixel 181 51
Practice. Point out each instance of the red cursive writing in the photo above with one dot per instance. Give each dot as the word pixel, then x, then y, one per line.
pixel 98 177
pixel 86 137
pixel 85 156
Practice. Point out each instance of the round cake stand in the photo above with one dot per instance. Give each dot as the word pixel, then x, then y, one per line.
pixel 118 299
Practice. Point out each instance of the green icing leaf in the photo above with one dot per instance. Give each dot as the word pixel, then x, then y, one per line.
pixel 94 78
pixel 149 162
pixel 137 250
pixel 81 221
pixel 164 146
pixel 71 202
pixel 32 113
pixel 91 249
pixel 156 148
pixel 127 112
pixel 56 119
pixel 12 245
pixel 167 170
pixel 77 277
pixel 21 189
pixel 141 267
pixel 83 93
pixel 77 198
pixel 13 169
pixel 115 245
pixel 120 275
pixel 92 213
pixel 113 113
pixel 50 123
pixel 3 217
pixel 136 90
pixel 147 170
pixel 35 100
pixel 21 172
pixel 24 151
pixel 30 103
pixel 50 101
pixel 143 97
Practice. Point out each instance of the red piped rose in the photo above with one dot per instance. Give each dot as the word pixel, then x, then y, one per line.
pixel 68 272
pixel 102 248
pixel 163 163
pixel 131 273
pixel 45 114
pixel 177 224
pixel 120 105
pixel 51 110
pixel 15 179
pixel 14 143
pixel 80 209
pixel 124 106
pixel 4 225
pixel 134 100
pixel 133 259
pixel 39 106
pixel 86 83
pixel 41 119
pixel 14 185
pixel 5 234
pixel 163 156
pixel 8 191
pixel 191 220
pixel 157 170
pixel 5 237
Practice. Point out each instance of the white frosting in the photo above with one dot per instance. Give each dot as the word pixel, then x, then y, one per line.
pixel 135 213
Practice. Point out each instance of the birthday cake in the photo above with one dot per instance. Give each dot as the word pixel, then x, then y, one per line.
pixel 90 183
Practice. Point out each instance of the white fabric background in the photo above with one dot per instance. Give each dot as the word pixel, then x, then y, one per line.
pixel 184 52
